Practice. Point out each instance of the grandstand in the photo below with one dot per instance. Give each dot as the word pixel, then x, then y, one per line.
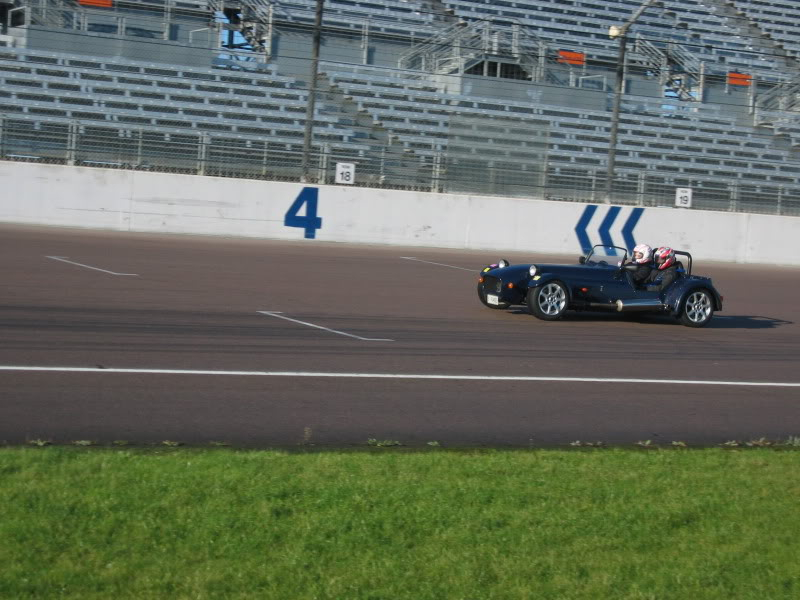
pixel 509 98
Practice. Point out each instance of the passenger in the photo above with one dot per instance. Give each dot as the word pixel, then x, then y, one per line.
pixel 665 271
pixel 643 260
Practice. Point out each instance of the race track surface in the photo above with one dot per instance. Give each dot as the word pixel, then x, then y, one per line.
pixel 278 344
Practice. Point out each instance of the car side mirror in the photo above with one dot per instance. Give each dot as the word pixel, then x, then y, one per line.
pixel 582 260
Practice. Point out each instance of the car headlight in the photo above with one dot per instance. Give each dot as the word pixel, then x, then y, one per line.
pixel 532 270
pixel 503 263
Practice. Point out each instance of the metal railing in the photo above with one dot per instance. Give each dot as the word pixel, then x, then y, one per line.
pixel 464 44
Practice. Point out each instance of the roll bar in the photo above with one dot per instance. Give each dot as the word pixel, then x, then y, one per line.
pixel 687 255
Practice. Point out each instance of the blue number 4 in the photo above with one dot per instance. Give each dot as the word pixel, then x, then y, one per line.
pixel 310 221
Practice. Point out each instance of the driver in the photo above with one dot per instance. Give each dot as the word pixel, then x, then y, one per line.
pixel 666 269
pixel 643 261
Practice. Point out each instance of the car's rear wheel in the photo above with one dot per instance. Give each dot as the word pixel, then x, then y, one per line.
pixel 698 308
pixel 482 295
pixel 548 301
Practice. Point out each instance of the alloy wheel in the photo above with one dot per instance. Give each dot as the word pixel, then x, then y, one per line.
pixel 552 299
pixel 698 307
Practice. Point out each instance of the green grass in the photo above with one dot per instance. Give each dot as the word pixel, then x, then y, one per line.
pixel 394 524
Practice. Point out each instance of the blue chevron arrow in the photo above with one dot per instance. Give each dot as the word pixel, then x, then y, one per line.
pixel 605 226
pixel 580 228
pixel 630 224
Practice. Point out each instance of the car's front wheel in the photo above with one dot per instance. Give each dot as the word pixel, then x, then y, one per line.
pixel 548 301
pixel 697 309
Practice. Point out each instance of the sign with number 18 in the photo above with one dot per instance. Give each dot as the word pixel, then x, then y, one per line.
pixel 345 173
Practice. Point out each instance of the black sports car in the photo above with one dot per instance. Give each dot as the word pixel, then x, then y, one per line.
pixel 600 281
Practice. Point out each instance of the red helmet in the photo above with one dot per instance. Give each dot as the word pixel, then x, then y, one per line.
pixel 665 257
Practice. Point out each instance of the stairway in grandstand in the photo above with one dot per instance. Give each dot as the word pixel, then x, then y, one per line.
pixel 771 108
pixel 53 13
pixel 395 162
pixel 739 20
pixel 679 71
pixel 466 47
pixel 254 20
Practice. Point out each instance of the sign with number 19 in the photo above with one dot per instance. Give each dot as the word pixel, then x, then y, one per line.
pixel 683 197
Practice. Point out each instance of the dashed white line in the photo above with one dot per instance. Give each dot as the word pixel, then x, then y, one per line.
pixel 277 314
pixel 419 376
pixel 438 264
pixel 72 262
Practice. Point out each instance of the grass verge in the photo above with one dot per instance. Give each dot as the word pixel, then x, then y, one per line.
pixel 224 523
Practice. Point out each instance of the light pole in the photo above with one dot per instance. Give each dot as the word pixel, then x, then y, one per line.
pixel 312 91
pixel 621 33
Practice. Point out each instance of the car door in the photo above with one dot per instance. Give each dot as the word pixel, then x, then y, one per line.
pixel 617 284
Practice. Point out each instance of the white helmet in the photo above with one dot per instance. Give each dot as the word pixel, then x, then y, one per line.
pixel 646 253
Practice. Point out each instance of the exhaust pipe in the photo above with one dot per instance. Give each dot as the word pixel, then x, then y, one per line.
pixel 641 304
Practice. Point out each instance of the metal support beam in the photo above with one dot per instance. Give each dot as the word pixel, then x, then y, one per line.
pixel 312 91
pixel 72 143
pixel 621 33
pixel 615 109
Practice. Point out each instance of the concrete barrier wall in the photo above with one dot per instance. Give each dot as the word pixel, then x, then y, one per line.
pixel 158 202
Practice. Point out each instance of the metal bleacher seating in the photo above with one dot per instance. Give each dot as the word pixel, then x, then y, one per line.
pixel 543 134
pixel 113 100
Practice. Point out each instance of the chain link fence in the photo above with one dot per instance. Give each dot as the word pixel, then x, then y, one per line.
pixel 462 169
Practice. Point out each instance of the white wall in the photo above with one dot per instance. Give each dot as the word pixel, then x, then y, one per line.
pixel 158 202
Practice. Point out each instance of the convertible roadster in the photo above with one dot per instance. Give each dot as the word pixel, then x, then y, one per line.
pixel 601 281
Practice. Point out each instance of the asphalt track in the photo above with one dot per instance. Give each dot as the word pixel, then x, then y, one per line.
pixel 264 343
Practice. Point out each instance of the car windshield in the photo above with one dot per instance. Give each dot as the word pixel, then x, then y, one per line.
pixel 606 255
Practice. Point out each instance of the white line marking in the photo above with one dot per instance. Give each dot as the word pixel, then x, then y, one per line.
pixel 272 313
pixel 439 264
pixel 395 376
pixel 64 259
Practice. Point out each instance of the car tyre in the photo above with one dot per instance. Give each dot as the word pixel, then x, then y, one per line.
pixel 549 301
pixel 482 296
pixel 698 308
